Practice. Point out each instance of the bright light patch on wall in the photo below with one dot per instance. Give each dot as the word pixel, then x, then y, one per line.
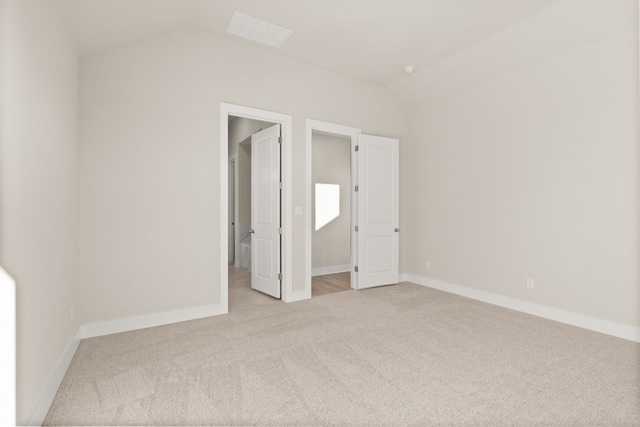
pixel 256 30
pixel 327 204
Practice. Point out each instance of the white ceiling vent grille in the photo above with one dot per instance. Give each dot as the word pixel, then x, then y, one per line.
pixel 259 31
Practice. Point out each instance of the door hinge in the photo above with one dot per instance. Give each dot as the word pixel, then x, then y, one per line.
pixel 356 228
pixel 280 185
pixel 279 276
pixel 357 147
pixel 356 188
pixel 356 268
pixel 279 230
pixel 279 140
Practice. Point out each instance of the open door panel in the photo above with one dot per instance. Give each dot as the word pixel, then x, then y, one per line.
pixel 378 211
pixel 265 211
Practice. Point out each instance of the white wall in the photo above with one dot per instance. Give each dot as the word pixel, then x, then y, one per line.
pixel 331 245
pixel 241 128
pixel 535 174
pixel 39 187
pixel 149 159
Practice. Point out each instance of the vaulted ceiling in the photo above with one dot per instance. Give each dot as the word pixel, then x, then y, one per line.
pixel 451 43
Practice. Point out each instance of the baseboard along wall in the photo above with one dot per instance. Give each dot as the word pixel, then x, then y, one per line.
pixel 49 393
pixel 133 323
pixel 595 324
pixel 158 319
pixel 332 269
pixel 109 327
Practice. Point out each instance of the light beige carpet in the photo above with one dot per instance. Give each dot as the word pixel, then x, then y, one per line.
pixel 398 355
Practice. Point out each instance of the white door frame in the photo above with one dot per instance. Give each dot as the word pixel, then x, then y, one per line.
pixel 286 124
pixel 234 192
pixel 352 133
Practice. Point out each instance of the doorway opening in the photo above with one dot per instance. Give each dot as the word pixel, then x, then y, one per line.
pixel 332 249
pixel 242 283
pixel 229 113
pixel 331 262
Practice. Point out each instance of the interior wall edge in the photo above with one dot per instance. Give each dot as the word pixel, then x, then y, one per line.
pixel 332 269
pixel 109 327
pixel 51 388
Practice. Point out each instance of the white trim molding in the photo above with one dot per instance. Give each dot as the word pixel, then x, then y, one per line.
pixel 286 123
pixel 133 323
pixel 109 327
pixel 332 269
pixel 48 395
pixel 595 324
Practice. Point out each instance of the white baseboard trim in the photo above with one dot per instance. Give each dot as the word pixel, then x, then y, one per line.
pixel 332 269
pixel 46 398
pixel 112 327
pixel 596 324
pixel 133 323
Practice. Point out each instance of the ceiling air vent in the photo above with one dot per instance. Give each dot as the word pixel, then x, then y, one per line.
pixel 256 30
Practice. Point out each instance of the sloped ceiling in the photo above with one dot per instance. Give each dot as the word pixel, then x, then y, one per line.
pixel 451 43
pixel 561 28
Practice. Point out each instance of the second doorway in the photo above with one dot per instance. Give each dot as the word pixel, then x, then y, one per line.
pixel 331 209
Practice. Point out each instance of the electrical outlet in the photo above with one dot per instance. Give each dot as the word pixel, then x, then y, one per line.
pixel 428 265
pixel 530 284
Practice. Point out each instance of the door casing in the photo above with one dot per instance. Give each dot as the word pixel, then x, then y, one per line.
pixel 352 133
pixel 232 211
pixel 286 123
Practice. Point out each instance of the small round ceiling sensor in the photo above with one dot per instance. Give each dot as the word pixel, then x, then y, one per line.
pixel 409 69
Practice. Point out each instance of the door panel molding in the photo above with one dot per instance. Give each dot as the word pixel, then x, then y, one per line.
pixel 265 211
pixel 286 123
pixel 378 216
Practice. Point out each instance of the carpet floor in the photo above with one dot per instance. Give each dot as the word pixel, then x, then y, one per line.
pixel 396 355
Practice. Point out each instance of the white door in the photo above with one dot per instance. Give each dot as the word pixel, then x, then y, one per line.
pixel 378 211
pixel 265 211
